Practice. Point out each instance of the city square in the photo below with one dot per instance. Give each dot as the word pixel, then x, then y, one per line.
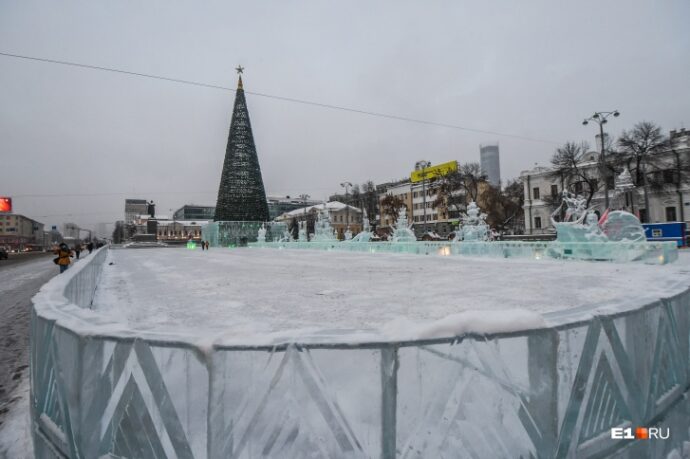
pixel 265 231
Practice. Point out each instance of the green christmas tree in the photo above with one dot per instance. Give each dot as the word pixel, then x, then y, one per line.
pixel 241 194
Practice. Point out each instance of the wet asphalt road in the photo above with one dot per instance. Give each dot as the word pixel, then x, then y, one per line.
pixel 20 278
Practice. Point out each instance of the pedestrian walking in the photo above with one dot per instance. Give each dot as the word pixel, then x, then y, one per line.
pixel 90 247
pixel 203 245
pixel 77 249
pixel 206 245
pixel 63 257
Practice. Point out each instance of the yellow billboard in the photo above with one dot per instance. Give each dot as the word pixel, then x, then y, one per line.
pixel 433 171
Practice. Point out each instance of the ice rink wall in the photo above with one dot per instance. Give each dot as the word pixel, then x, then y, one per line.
pixel 99 391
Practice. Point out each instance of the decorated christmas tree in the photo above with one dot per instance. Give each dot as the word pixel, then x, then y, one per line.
pixel 241 194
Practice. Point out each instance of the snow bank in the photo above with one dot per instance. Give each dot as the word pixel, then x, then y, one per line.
pixel 15 431
pixel 479 322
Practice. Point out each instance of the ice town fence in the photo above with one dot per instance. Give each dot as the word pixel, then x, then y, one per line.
pixel 101 391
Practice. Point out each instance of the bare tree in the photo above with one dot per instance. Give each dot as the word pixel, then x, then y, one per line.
pixel 569 167
pixel 680 173
pixel 457 187
pixel 370 200
pixel 504 207
pixel 355 197
pixel 311 220
pixel 391 205
pixel 639 151
pixel 473 176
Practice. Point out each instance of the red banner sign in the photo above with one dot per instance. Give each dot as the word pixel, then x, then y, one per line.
pixel 5 204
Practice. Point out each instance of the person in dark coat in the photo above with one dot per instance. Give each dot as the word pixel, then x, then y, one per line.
pixel 90 246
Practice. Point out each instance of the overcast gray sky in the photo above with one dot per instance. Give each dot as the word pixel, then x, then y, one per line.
pixel 530 68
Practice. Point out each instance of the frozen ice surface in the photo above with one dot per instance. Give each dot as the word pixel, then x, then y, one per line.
pixel 264 294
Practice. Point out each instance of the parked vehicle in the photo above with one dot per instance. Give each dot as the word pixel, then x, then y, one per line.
pixel 3 254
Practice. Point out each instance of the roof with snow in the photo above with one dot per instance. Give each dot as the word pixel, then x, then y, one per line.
pixel 332 206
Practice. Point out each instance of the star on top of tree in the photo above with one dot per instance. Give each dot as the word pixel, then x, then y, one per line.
pixel 239 69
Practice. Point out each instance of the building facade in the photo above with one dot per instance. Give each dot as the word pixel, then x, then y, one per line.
pixel 19 233
pixel 341 216
pixel 70 230
pixel 669 201
pixel 401 189
pixel 134 208
pixel 278 205
pixel 174 231
pixel 194 212
pixel 442 219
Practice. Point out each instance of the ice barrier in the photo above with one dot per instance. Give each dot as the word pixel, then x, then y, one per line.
pixel 99 390
pixel 239 233
pixel 648 252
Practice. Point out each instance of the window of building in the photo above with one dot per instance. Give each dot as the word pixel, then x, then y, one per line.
pixel 537 222
pixel 554 191
pixel 671 214
pixel 643 215
pixel 611 182
pixel 535 192
pixel 669 176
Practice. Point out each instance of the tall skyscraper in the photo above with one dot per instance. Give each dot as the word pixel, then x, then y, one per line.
pixel 490 163
pixel 241 194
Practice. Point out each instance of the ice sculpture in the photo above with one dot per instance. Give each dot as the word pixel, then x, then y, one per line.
pixel 287 237
pixel 261 235
pixel 579 224
pixel 616 237
pixel 624 181
pixel 622 226
pixel 323 231
pixel 582 235
pixel 402 231
pixel 348 234
pixel 474 227
pixel 365 234
pixel 233 234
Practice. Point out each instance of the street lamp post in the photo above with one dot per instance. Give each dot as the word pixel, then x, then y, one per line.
pixel 421 166
pixel 601 118
pixel 347 186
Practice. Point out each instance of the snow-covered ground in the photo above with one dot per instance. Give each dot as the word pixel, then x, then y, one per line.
pixel 247 293
pixel 15 432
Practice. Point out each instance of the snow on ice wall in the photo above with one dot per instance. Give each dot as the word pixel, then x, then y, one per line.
pixel 97 390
